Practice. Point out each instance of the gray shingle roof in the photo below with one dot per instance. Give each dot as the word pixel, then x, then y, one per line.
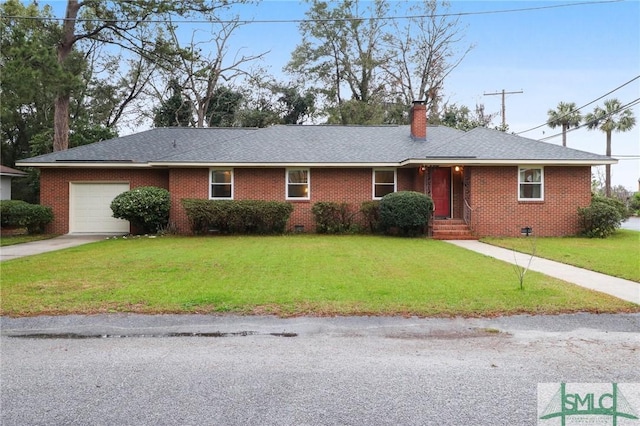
pixel 8 171
pixel 490 144
pixel 312 145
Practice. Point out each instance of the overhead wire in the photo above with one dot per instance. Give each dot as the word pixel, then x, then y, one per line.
pixel 623 107
pixel 300 21
pixel 583 106
pixel 456 14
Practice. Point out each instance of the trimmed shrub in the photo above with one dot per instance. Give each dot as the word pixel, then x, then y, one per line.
pixel 617 203
pixel 602 217
pixel 20 214
pixel 407 212
pixel 371 212
pixel 146 207
pixel 333 218
pixel 237 217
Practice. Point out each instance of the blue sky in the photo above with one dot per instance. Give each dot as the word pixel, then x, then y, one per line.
pixel 572 54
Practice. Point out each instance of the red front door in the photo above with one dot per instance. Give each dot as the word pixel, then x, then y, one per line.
pixel 441 191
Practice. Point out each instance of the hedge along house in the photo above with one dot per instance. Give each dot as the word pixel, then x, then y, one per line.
pixel 483 182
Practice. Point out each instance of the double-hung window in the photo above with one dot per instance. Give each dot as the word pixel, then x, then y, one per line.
pixel 384 182
pixel 221 184
pixel 298 184
pixel 530 183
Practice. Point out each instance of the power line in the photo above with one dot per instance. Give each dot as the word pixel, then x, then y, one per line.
pixel 583 106
pixel 629 105
pixel 504 118
pixel 300 21
pixel 623 107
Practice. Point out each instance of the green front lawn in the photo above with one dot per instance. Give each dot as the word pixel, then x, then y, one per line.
pixel 617 255
pixel 19 239
pixel 284 275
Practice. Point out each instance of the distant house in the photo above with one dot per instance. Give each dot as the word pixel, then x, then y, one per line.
pixel 6 175
pixel 488 182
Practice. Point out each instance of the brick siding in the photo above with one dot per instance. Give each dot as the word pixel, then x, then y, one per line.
pixel 352 186
pixel 494 194
pixel 55 184
pixel 497 211
pixel 186 183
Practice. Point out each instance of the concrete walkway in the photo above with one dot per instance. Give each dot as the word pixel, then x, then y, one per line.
pixel 618 287
pixel 37 247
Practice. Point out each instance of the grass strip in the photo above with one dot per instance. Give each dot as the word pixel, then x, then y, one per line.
pixel 617 255
pixel 10 240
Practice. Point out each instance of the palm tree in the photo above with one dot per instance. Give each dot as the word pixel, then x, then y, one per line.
pixel 609 119
pixel 565 115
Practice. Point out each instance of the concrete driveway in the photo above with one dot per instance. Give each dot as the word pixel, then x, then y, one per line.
pixel 43 246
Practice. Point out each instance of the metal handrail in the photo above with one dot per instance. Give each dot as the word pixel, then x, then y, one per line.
pixel 466 215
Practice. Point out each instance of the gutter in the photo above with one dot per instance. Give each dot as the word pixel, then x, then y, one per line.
pixel 435 161
pixel 88 164
pixel 473 161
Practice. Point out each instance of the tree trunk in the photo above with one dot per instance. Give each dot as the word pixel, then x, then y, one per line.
pixel 61 123
pixel 564 134
pixel 607 168
pixel 61 103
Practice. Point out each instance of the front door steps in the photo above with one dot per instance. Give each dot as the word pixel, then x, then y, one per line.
pixel 451 229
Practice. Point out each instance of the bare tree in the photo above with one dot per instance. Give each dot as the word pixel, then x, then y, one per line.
pixel 521 270
pixel 119 23
pixel 201 74
pixel 366 66
pixel 423 51
pixel 112 83
pixel 341 55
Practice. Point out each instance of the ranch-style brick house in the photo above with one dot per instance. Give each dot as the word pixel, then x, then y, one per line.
pixel 483 182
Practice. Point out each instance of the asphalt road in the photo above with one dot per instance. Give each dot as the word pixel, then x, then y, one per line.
pixel 141 370
pixel 632 223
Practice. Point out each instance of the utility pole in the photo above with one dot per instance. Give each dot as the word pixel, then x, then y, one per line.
pixel 504 120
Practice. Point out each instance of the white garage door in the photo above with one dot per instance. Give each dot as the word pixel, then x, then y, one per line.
pixel 90 208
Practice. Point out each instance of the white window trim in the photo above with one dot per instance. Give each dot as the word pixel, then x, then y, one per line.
pixel 286 183
pixel 211 197
pixel 373 181
pixel 541 183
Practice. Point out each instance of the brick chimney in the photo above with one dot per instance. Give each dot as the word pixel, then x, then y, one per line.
pixel 418 117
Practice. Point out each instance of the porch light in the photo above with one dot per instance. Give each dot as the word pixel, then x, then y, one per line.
pixel 458 168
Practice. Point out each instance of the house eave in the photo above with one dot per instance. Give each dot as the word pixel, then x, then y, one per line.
pixel 469 161
pixel 275 164
pixel 444 161
pixel 83 164
pixel 435 161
